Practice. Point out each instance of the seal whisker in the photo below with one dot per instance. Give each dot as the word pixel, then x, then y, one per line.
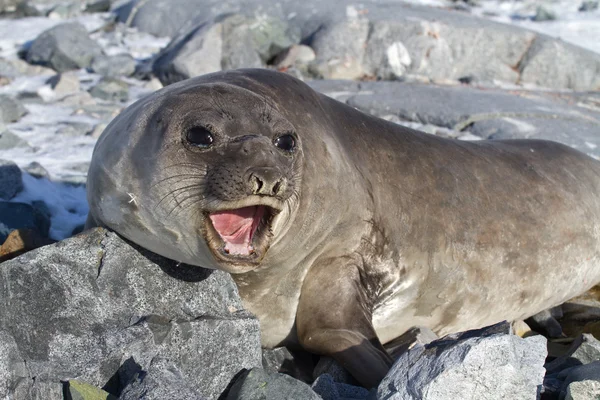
pixel 173 193
pixel 182 176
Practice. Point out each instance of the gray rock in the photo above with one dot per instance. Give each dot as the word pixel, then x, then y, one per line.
pixel 298 364
pixel 486 365
pixel 583 390
pixel 587 372
pixel 114 66
pixel 293 55
pixel 257 384
pixel 227 42
pixel 74 129
pixel 544 14
pixel 489 113
pixel 195 53
pixel 65 11
pixel 9 6
pixel 9 140
pixel 340 49
pixel 163 380
pixel 11 110
pixel 36 170
pixel 21 216
pixel 98 6
pixel 94 319
pixel 14 375
pixel 111 89
pixel 555 64
pixel 588 5
pixel 11 180
pixel 65 83
pixel 333 369
pixel 330 389
pixel 64 47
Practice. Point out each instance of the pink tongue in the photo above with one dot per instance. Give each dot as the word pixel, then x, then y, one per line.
pixel 236 227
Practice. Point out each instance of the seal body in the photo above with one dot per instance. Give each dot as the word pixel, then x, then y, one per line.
pixel 354 229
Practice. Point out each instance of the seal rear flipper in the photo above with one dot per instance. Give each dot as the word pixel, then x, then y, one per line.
pixel 334 319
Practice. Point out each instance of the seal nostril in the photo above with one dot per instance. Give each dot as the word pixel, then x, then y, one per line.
pixel 276 188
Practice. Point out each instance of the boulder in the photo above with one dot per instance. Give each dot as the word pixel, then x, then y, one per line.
pixel 64 47
pixel 114 66
pixel 257 384
pixel 9 140
pixel 11 180
pixel 163 380
pixel 102 310
pixel 481 364
pixel 15 215
pixel 110 89
pixel 11 110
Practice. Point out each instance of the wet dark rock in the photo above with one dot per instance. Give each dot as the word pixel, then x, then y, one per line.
pixel 64 47
pixel 11 180
pixel 15 215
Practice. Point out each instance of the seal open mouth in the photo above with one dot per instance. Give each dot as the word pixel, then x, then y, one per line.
pixel 244 232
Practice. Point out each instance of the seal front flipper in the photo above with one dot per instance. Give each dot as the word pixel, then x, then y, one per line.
pixel 334 319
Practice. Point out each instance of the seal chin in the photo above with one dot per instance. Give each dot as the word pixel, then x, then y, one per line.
pixel 240 234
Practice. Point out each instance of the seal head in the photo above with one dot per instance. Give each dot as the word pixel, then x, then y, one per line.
pixel 214 168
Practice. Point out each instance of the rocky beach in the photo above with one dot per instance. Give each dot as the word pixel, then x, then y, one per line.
pixel 77 324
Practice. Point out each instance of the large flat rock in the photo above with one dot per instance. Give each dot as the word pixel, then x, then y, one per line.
pixel 570 118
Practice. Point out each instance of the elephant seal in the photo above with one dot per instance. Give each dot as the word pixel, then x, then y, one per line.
pixel 343 230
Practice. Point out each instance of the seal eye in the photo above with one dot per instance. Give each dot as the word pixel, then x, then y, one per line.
pixel 200 137
pixel 285 143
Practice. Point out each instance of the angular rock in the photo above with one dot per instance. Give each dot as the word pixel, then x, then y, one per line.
pixel 111 89
pixel 64 47
pixel 65 83
pixel 14 375
pixel 583 390
pixel 163 380
pixel 196 53
pixel 258 384
pixel 340 49
pixel 588 5
pixel 104 323
pixel 36 170
pixel 587 372
pixel 328 366
pixel 227 42
pixel 330 389
pixel 20 241
pixel 555 64
pixel 9 140
pixel 545 323
pixel 83 391
pixel 11 180
pixel 295 54
pixel 98 6
pixel 544 14
pixel 486 365
pixel 11 110
pixel 114 66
